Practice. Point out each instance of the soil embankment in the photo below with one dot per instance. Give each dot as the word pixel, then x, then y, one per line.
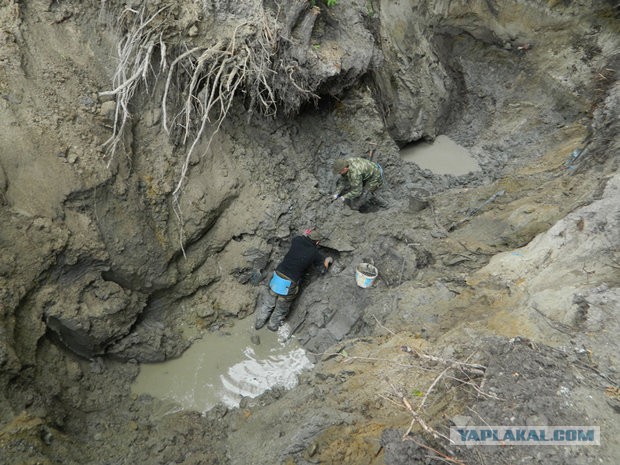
pixel 157 157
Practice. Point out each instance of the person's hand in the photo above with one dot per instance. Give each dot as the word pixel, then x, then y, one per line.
pixel 328 261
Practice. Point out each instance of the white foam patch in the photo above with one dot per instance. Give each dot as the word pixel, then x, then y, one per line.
pixel 254 376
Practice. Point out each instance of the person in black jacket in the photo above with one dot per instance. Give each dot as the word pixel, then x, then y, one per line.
pixel 275 300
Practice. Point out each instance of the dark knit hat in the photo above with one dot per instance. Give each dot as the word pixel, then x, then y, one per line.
pixel 339 165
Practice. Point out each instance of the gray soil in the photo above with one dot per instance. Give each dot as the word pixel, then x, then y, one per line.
pixel 157 157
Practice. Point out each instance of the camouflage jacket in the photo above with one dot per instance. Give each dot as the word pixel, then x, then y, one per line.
pixel 362 173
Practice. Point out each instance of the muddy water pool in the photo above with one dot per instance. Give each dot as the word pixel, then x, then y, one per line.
pixel 442 156
pixel 224 367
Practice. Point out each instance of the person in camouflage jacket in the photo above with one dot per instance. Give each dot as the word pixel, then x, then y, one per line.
pixel 359 176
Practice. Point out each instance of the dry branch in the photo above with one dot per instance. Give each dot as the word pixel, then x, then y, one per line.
pixel 466 368
pixel 472 368
pixel 430 388
pixel 477 388
pixel 416 418
pixel 441 455
pixel 383 327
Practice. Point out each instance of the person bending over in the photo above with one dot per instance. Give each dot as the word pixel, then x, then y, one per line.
pixel 359 179
pixel 274 301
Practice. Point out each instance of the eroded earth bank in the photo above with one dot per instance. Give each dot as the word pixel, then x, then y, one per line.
pixel 157 157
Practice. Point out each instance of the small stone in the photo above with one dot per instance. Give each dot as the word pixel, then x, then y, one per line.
pixel 537 420
pixel 417 204
pixel 312 449
pixel 374 446
pixel 461 420
pixel 74 371
pixel 453 260
pixel 152 117
pixel 107 110
pixel 86 101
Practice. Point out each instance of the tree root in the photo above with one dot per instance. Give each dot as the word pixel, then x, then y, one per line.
pixel 261 58
pixel 253 59
pixel 135 52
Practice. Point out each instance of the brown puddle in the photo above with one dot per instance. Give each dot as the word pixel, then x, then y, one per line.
pixel 443 156
pixel 225 367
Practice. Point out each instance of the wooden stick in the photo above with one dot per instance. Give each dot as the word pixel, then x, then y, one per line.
pixel 443 456
pixel 428 391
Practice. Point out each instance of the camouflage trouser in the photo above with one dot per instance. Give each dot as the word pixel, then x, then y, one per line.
pixel 368 194
pixel 273 307
pixel 370 185
pixel 375 182
pixel 367 197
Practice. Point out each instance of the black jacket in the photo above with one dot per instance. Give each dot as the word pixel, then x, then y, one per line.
pixel 302 254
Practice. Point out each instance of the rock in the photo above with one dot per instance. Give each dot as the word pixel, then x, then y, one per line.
pixel 537 420
pixel 461 420
pixel 417 205
pixel 152 117
pixel 87 101
pixel 90 314
pixel 107 110
pixel 453 260
pixel 72 157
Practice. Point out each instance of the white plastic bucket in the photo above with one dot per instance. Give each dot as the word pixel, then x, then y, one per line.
pixel 365 275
